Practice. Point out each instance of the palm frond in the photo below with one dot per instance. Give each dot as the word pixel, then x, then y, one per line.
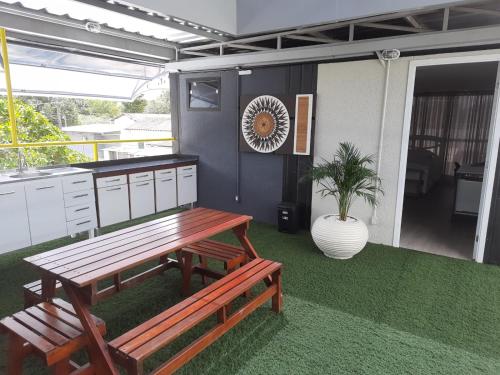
pixel 346 177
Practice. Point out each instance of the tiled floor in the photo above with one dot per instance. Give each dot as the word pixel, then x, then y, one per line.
pixel 428 225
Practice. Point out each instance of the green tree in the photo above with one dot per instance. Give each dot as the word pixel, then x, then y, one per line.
pixel 160 104
pixel 102 109
pixel 137 106
pixel 59 111
pixel 32 126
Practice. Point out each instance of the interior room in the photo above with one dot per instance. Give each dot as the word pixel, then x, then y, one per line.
pixel 450 123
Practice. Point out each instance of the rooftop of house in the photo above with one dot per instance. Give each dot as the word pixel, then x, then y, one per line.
pixel 126 121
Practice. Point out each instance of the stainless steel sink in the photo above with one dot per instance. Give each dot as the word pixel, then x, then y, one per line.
pixel 28 174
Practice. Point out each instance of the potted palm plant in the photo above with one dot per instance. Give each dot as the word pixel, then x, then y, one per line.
pixel 346 178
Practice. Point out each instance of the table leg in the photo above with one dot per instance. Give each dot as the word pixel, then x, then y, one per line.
pixel 187 273
pixel 97 348
pixel 241 233
pixel 48 288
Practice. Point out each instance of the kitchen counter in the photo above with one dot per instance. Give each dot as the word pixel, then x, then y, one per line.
pixel 134 165
pixel 5 177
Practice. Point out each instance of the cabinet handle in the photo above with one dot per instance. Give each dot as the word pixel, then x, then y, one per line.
pixel 190 175
pixel 80 196
pixel 84 222
pixel 170 171
pixel 188 169
pixel 82 209
pixel 45 187
pixel 145 184
pixel 113 180
pixel 142 175
pixel 8 193
pixel 168 179
pixel 118 188
pixel 79 182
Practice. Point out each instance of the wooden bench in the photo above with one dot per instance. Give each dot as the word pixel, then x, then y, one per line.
pixel 232 257
pixel 134 347
pixel 50 330
pixel 33 293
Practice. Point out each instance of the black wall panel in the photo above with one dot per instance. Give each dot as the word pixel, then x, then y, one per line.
pixel 264 179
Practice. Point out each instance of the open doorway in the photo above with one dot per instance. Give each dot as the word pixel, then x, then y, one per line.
pixel 447 151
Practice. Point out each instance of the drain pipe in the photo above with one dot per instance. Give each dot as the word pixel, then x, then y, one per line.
pixel 385 58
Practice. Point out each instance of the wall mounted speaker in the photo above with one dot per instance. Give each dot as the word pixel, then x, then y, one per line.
pixel 303 124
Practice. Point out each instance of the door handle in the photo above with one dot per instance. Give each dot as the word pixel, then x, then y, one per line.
pixel 80 196
pixel 82 209
pixel 114 189
pixel 168 179
pixel 79 182
pixel 145 184
pixel 84 222
pixel 188 176
pixel 45 187
pixel 8 193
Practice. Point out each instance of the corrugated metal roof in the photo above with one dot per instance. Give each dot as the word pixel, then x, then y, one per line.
pixel 85 12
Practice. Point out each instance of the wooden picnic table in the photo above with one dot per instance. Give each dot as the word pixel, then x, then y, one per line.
pixel 80 266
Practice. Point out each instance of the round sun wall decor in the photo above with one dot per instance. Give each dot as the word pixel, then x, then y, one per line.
pixel 265 124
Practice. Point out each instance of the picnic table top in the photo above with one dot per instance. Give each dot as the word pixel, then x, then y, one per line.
pixel 86 262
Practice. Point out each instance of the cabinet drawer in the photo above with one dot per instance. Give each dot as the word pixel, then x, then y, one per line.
pixel 162 173
pixel 78 182
pixel 79 197
pixel 82 225
pixel 188 169
pixel 144 176
pixel 111 181
pixel 81 211
pixel 142 199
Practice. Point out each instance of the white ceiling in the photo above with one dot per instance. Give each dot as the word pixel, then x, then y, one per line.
pixel 239 17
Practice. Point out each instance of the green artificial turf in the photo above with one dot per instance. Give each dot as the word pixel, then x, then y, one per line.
pixel 386 311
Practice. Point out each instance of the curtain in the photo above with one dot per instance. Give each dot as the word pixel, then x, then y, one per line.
pixel 455 127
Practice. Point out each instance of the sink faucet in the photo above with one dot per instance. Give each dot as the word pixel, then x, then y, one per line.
pixel 21 161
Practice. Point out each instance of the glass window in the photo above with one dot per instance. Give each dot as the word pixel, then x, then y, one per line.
pixel 204 94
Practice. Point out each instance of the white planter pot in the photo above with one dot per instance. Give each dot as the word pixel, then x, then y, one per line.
pixel 339 239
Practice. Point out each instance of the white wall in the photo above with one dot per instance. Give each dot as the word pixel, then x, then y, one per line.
pixel 349 109
pixel 349 105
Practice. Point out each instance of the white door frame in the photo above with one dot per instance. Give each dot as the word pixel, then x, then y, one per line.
pixel 491 152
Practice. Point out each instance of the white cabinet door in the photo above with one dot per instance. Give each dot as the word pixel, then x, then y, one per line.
pixel 14 224
pixel 113 205
pixel 46 212
pixel 166 193
pixel 142 199
pixel 186 189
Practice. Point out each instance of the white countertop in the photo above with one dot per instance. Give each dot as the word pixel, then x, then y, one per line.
pixel 5 176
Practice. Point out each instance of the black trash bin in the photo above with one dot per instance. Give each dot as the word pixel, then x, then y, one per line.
pixel 288 217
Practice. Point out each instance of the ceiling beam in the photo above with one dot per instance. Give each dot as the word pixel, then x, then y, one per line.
pixel 413 22
pixel 312 38
pixel 249 47
pixel 364 48
pixel 386 26
pixel 486 12
pixel 313 29
pixel 164 20
pixel 56 28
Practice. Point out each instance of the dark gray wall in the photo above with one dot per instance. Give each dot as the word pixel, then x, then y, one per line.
pixel 214 137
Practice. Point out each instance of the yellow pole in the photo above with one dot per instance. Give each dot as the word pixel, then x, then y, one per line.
pixel 8 87
pixel 96 152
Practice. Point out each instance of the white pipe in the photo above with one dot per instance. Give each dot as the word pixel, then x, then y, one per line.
pixel 374 219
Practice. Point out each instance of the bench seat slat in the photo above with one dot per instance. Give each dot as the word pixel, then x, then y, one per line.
pixel 54 322
pixel 123 339
pixel 223 246
pixel 28 335
pixel 150 329
pixel 47 332
pixel 209 308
